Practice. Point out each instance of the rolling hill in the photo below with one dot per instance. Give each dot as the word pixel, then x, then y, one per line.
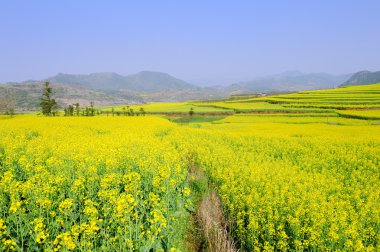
pixel 363 78
pixel 145 81
pixel 148 86
pixel 26 96
pixel 288 81
pixel 106 89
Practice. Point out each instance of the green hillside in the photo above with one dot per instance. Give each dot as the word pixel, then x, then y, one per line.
pixel 289 81
pixel 363 78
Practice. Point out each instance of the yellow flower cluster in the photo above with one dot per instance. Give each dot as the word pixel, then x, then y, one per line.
pixel 122 183
pixel 288 187
pixel 99 184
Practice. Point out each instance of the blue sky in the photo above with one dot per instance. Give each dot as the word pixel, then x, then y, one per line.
pixel 201 41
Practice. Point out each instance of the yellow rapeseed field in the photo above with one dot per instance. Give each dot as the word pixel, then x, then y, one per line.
pixel 90 184
pixel 122 183
pixel 294 186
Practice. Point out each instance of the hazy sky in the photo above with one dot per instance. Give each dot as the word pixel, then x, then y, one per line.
pixel 220 41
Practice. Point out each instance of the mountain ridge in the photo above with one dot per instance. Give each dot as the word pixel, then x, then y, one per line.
pixel 27 95
pixel 362 78
pixel 144 81
pixel 108 88
pixel 289 81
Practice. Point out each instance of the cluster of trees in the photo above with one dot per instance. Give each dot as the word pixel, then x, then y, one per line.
pixel 76 110
pixel 126 111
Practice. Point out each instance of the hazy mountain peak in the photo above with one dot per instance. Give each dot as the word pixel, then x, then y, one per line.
pixel 289 73
pixel 151 72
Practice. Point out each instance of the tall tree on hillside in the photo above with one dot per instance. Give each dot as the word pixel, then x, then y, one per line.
pixel 48 104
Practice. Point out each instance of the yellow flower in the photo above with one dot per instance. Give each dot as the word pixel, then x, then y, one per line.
pixel 15 206
pixel 66 205
pixel 186 191
pixel 64 240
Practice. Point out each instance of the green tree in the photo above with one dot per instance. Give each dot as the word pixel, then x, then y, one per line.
pixel 142 111
pixel 191 112
pixel 77 108
pixel 69 110
pixel 87 111
pixel 48 104
pixel 66 111
pixel 92 109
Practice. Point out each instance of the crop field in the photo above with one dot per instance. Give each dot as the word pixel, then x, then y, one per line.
pixel 319 101
pixel 291 119
pixel 364 97
pixel 90 184
pixel 297 186
pixel 305 180
pixel 241 106
pixel 362 114
pixel 184 108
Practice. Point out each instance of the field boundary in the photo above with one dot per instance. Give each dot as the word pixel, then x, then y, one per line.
pixel 358 117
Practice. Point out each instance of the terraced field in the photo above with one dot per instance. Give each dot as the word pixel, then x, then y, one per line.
pixel 172 108
pixel 361 114
pixel 319 101
pixel 365 98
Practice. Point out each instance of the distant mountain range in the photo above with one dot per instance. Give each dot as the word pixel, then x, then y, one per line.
pixel 146 81
pixel 363 78
pixel 27 96
pixel 148 86
pixel 108 89
pixel 289 81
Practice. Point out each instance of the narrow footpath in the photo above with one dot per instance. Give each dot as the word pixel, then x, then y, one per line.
pixel 210 224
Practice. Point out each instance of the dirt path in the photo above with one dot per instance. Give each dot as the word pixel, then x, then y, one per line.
pixel 213 224
pixel 209 219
